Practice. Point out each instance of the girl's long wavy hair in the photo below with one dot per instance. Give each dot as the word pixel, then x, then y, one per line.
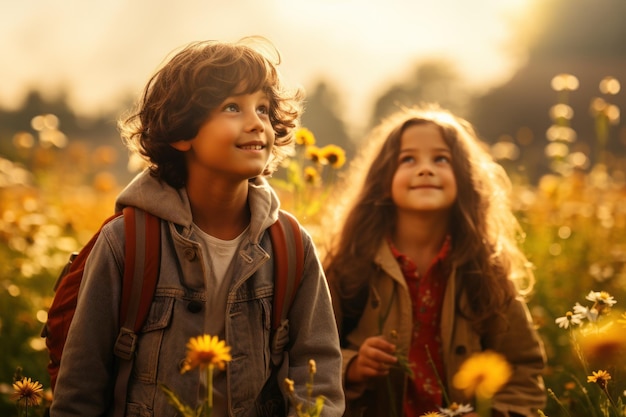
pixel 180 96
pixel 485 233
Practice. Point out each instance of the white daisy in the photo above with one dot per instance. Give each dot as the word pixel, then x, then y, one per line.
pixel 569 319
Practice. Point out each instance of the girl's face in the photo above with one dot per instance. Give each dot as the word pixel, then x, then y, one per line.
pixel 424 179
pixel 235 142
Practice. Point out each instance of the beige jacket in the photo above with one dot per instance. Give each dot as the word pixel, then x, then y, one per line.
pixel 512 335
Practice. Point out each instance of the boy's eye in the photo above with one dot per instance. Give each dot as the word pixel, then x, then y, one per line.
pixel 263 110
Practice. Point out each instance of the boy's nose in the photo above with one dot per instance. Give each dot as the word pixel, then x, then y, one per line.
pixel 254 122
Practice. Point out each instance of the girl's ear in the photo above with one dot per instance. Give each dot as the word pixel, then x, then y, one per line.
pixel 181 145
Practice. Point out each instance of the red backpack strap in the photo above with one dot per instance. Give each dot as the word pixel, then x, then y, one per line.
pixel 141 272
pixel 288 251
pixel 63 306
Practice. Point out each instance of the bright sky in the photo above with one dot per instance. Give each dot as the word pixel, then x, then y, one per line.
pixel 101 50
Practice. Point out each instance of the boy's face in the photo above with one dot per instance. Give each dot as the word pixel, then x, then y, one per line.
pixel 235 142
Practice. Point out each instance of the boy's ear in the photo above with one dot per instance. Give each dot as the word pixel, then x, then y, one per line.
pixel 181 145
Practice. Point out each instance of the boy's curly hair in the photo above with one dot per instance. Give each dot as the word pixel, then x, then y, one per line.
pixel 179 97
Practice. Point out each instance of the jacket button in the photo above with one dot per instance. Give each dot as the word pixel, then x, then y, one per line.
pixel 194 306
pixel 190 254
pixel 460 350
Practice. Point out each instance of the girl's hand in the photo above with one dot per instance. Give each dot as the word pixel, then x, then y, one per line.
pixel 375 357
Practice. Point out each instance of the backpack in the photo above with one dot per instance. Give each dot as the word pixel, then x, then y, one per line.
pixel 142 258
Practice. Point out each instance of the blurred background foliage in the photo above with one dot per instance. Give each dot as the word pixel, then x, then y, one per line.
pixel 554 126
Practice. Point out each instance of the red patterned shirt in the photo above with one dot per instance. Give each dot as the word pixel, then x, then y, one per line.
pixel 424 392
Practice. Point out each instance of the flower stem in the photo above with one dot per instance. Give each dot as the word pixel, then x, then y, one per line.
pixel 613 405
pixel 209 378
pixel 483 406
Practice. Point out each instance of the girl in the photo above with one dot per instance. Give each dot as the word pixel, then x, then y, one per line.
pixel 426 266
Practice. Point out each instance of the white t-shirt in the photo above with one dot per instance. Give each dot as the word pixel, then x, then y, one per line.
pixel 218 258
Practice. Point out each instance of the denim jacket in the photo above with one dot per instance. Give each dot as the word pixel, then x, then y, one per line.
pixel 86 378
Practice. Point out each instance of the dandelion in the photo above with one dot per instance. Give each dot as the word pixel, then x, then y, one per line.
pixel 570 319
pixel 28 390
pixel 304 137
pixel 334 155
pixel 600 377
pixel 483 374
pixel 432 414
pixel 205 351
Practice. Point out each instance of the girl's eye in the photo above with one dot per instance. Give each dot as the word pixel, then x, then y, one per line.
pixel 231 107
pixel 442 159
pixel 406 159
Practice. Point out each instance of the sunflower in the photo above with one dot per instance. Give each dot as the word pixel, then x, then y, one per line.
pixel 334 155
pixel 28 390
pixel 206 351
pixel 304 137
pixel 483 374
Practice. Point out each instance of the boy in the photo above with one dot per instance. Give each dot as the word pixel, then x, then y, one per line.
pixel 211 123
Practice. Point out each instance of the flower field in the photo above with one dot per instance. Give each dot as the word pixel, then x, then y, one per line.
pixel 52 198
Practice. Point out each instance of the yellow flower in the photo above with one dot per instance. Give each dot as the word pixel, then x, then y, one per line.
pixel 569 386
pixel 604 346
pixel 334 155
pixel 314 154
pixel 312 367
pixel 304 137
pixel 483 374
pixel 206 350
pixel 622 320
pixel 601 378
pixel 311 175
pixel 28 390
pixel 289 385
pixel 431 414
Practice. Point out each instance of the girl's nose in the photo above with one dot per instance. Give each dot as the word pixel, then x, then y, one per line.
pixel 424 170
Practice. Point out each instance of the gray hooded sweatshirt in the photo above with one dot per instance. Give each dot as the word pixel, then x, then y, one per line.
pixel 85 383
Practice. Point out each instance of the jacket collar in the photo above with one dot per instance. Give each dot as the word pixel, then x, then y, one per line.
pixel 149 194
